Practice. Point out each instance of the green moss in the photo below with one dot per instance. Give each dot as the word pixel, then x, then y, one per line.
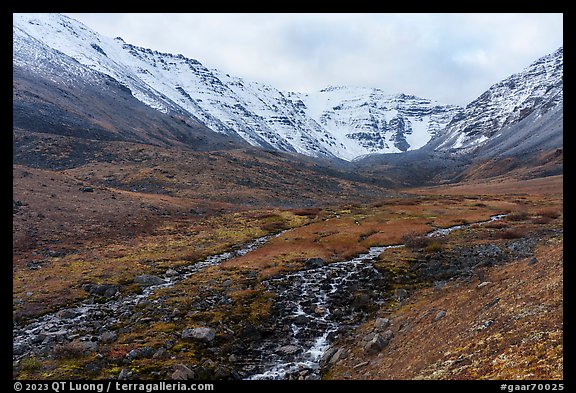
pixel 31 364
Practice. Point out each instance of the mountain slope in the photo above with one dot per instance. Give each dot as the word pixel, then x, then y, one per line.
pixel 524 98
pixel 53 93
pixel 514 129
pixel 343 123
pixel 520 117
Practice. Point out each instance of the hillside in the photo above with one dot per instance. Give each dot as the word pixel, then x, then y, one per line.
pixel 504 319
pixel 173 222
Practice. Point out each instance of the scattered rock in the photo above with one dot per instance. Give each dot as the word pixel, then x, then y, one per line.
pixel 483 325
pixel 38 339
pixel 301 319
pixel 104 290
pixel 441 314
pixel 387 335
pixel 133 354
pixel 124 374
pixel 362 364
pixel 108 336
pixel 143 303
pixel 34 265
pixel 532 261
pixel 289 349
pixel 93 367
pixel 313 263
pixel 400 294
pixel 492 303
pixel 200 334
pixel 87 189
pixel 375 345
pixel 147 280
pixel 523 247
pixel 20 348
pixel 369 336
pixel 381 323
pixel 483 284
pixel 171 273
pixel 147 352
pixel 161 353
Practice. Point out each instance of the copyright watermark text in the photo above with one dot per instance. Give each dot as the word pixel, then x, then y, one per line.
pixel 111 386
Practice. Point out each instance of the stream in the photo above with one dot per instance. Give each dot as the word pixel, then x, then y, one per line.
pixel 79 322
pixel 312 307
pixel 319 303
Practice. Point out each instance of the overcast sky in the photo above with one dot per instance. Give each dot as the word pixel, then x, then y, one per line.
pixel 451 58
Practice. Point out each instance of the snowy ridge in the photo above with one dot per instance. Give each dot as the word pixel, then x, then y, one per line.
pixel 343 122
pixel 335 122
pixel 537 89
pixel 367 120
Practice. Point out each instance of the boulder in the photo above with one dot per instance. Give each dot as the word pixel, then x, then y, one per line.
pixel 361 301
pixel 108 337
pixel 375 345
pixel 289 349
pixel 200 334
pixel 104 290
pixel 124 374
pixel 441 314
pixel 67 314
pixel 147 352
pixel 387 335
pixel 400 294
pixel 313 263
pixel 161 353
pixel 381 323
pixel 301 319
pixel 171 273
pixel 327 356
pixel 148 280
pixel 340 353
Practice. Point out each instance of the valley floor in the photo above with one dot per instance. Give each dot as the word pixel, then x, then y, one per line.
pixel 481 302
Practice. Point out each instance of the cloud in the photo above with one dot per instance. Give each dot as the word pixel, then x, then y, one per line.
pixel 452 58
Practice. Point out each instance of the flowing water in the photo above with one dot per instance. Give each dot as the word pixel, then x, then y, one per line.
pixel 316 304
pixel 311 306
pixel 79 322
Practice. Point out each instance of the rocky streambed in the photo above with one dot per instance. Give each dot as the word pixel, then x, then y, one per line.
pixel 312 307
pixel 90 321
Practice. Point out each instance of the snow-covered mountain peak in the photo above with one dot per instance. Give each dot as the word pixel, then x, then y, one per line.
pixel 537 89
pixel 337 121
